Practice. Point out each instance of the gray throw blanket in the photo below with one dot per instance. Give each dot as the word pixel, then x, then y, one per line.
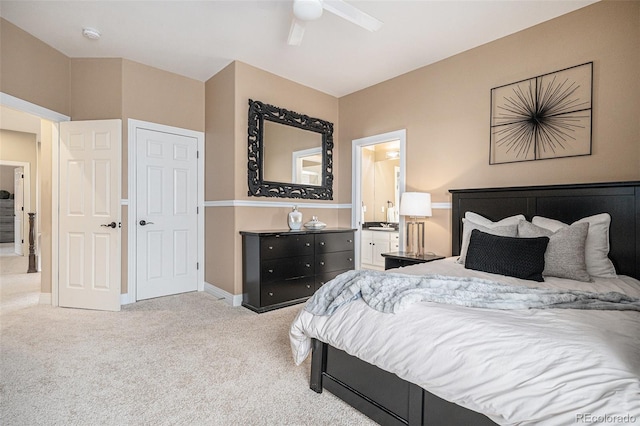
pixel 392 292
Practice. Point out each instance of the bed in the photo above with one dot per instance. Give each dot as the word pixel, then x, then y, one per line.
pixel 385 389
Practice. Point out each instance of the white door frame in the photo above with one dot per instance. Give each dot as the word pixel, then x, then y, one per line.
pixel 26 198
pixel 130 297
pixel 55 117
pixel 356 178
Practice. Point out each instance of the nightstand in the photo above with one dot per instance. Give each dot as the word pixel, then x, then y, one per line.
pixel 398 259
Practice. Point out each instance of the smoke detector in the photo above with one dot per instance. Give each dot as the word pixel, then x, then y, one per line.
pixel 91 33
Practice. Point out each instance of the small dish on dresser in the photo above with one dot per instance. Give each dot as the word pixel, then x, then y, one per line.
pixel 314 223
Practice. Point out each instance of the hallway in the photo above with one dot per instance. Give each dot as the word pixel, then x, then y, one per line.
pixel 17 288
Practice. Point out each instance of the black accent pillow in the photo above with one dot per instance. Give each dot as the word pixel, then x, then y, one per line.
pixel 515 257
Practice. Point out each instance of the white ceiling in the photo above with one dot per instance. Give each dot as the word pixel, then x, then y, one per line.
pixel 199 38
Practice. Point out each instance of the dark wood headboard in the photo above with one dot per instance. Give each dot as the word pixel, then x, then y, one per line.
pixel 566 203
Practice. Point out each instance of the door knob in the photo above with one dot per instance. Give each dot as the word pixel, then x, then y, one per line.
pixel 144 222
pixel 109 225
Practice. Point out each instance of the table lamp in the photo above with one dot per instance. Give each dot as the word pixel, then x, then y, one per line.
pixel 415 205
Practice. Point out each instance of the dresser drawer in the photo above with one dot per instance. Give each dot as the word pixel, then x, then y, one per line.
pixel 282 269
pixel 328 262
pixel 340 241
pixel 322 279
pixel 278 246
pixel 284 291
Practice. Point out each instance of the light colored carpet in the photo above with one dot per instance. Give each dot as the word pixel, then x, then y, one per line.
pixel 13 264
pixel 180 360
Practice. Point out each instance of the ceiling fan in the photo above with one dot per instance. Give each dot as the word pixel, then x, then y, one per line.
pixel 309 10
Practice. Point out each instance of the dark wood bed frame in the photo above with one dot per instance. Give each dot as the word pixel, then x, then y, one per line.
pixel 390 400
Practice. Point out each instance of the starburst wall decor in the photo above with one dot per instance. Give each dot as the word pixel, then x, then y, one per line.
pixel 548 116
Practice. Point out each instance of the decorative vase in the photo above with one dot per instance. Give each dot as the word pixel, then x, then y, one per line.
pixel 314 223
pixel 295 219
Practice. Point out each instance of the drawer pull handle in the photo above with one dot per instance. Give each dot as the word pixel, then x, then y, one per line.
pixel 271 271
pixel 308 286
pixel 308 265
pixel 321 263
pixel 308 244
pixel 349 241
pixel 321 243
pixel 270 293
pixel 321 282
pixel 350 260
pixel 270 247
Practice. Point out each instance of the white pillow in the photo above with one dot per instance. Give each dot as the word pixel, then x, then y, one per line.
pixel 597 245
pixel 481 220
pixel 507 227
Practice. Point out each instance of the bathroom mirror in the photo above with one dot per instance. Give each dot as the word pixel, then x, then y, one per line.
pixel 380 180
pixel 290 154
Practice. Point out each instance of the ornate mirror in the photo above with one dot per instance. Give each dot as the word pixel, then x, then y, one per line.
pixel 290 154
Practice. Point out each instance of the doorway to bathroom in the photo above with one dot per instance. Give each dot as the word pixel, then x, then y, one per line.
pixel 378 176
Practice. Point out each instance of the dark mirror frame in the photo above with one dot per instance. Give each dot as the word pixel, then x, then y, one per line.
pixel 258 187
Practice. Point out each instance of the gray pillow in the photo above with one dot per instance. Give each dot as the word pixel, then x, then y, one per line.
pixel 468 226
pixel 564 257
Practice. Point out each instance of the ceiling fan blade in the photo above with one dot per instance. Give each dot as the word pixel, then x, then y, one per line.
pixel 296 32
pixel 352 14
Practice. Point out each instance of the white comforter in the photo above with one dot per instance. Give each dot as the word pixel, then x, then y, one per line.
pixel 543 367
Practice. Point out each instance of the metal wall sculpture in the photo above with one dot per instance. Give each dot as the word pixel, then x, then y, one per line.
pixel 548 116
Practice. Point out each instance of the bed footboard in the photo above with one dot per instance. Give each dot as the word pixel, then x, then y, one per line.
pixel 381 395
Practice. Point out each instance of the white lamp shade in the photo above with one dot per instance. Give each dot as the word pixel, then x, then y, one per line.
pixel 416 204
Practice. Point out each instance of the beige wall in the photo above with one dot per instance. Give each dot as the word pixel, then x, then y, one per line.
pixel 158 96
pixel 227 100
pixel 32 70
pixel 445 109
pixel 48 133
pixel 96 89
pixel 220 138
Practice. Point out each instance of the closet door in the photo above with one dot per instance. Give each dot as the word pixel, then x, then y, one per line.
pixel 167 217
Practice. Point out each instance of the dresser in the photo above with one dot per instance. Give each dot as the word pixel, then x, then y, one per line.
pixel 281 268
pixel 7 221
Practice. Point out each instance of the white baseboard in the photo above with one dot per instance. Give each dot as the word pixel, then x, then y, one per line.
pixel 230 299
pixel 45 299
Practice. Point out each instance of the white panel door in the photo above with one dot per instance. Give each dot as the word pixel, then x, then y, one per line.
pixel 18 210
pixel 167 221
pixel 89 217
